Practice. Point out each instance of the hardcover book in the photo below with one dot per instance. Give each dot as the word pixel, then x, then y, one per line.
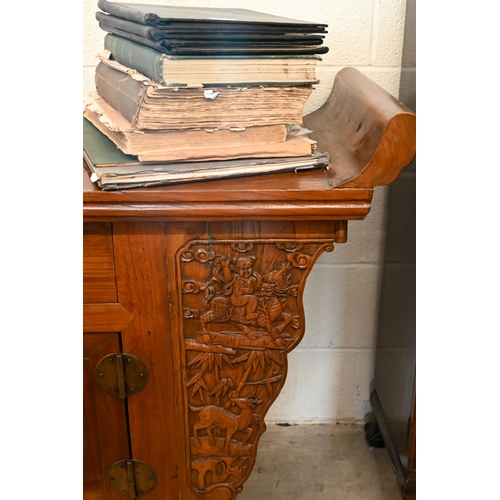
pixel 194 145
pixel 166 15
pixel 213 43
pixel 210 31
pixel 175 71
pixel 207 36
pixel 111 169
pixel 148 105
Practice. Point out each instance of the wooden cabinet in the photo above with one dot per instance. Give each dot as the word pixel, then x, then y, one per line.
pixel 203 284
pixel 211 309
pixel 393 397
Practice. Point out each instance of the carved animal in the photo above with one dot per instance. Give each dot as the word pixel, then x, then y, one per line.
pixel 213 416
pixel 221 469
pixel 220 310
pixel 273 291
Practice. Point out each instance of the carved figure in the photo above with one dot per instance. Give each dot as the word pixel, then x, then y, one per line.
pixel 248 299
pixel 242 286
pixel 213 416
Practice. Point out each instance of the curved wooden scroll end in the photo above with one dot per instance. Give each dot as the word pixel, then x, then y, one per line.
pixel 369 135
pixel 394 152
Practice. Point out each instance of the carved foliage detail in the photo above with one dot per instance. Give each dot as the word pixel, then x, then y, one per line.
pixel 242 313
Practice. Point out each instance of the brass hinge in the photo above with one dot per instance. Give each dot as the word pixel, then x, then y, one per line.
pixel 121 374
pixel 133 478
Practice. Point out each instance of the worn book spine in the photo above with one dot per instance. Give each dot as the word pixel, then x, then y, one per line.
pixel 144 59
pixel 123 94
pixel 119 130
pixel 150 106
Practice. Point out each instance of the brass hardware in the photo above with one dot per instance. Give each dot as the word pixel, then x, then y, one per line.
pixel 121 374
pixel 132 478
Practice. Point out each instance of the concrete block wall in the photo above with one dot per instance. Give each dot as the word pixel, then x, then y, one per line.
pixel 330 371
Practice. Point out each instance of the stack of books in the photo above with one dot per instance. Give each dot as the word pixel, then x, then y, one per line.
pixel 192 94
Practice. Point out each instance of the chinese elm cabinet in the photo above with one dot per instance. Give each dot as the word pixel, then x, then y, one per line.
pixel 193 298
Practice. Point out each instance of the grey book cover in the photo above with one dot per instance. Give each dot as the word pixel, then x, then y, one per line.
pixel 157 15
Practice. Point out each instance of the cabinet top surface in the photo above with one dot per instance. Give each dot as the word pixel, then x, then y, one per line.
pixel 284 196
pixel 308 185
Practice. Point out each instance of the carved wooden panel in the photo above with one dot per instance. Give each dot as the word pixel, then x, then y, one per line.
pixel 242 313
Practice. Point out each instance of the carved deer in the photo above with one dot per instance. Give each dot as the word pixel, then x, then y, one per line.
pixel 213 416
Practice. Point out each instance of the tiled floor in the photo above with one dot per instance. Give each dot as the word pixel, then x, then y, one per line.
pixel 317 461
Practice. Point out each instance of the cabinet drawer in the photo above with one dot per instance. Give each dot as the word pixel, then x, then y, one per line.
pixel 99 278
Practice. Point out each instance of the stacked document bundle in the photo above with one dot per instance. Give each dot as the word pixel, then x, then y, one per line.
pixel 191 94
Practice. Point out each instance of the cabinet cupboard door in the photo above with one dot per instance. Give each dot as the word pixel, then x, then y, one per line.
pixel 105 433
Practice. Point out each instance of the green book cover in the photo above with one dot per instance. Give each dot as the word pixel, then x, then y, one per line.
pixel 144 59
pixel 150 62
pixel 101 151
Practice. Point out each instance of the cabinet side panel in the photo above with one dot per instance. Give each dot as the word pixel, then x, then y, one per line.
pixel 140 256
pixel 236 303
